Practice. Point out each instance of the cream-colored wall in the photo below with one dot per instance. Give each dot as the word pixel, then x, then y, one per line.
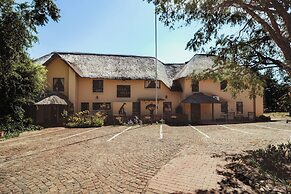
pixel 206 112
pixel 137 89
pixel 127 107
pixel 80 90
pixel 72 92
pixel 58 69
pixel 211 88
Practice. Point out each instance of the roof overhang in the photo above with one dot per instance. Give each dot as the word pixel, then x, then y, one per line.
pixel 150 99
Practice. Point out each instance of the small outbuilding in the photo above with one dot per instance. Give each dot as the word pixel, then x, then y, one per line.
pixel 48 111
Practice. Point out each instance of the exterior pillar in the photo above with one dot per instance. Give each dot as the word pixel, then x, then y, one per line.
pixel 212 111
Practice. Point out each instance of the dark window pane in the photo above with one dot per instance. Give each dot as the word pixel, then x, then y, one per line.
pixel 223 85
pixel 123 91
pixel 224 107
pixel 97 85
pixel 239 107
pixel 151 84
pixel 167 107
pixel 176 86
pixel 195 86
pixel 136 108
pixel 84 106
pixel 58 84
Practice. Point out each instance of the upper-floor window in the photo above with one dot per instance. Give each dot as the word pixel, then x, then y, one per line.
pixel 223 85
pixel 97 85
pixel 224 107
pixel 58 84
pixel 151 84
pixel 176 86
pixel 239 107
pixel 84 106
pixel 123 91
pixel 195 86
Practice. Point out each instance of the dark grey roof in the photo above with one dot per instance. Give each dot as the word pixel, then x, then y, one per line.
pixel 198 98
pixel 52 100
pixel 128 66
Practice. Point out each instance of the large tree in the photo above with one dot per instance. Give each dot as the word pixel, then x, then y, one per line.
pixel 20 79
pixel 277 93
pixel 263 35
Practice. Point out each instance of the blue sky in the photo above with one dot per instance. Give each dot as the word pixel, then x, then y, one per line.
pixel 111 27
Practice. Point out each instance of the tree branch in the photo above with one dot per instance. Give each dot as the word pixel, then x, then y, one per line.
pixel 284 14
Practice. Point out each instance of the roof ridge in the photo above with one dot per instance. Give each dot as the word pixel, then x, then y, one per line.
pixel 100 54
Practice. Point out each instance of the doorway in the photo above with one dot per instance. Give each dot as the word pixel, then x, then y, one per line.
pixel 195 112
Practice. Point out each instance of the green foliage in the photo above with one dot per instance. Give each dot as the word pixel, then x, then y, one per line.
pixel 263 118
pixel 262 30
pixel 84 119
pixel 21 80
pixel 277 93
pixel 262 170
pixel 239 78
pixel 13 128
pixel 274 160
pixel 19 86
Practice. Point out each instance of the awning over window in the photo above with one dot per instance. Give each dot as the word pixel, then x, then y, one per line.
pixel 199 98
pixel 52 100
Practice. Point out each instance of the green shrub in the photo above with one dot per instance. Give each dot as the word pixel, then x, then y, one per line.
pixel 84 119
pixel 275 160
pixel 263 118
pixel 12 128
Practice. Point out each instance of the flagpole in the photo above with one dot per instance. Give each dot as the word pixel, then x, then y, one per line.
pixel 156 60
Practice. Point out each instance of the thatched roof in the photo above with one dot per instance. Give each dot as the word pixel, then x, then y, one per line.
pixel 52 100
pixel 127 66
pixel 197 63
pixel 173 68
pixel 198 98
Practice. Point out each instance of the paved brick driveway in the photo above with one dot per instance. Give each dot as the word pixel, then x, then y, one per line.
pixel 121 159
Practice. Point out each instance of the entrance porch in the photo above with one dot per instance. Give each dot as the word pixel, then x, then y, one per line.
pixel 200 107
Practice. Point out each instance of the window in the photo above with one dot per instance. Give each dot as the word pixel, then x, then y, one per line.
pixel 195 86
pixel 239 107
pixel 58 84
pixel 224 107
pixel 123 91
pixel 136 108
pixel 97 85
pixel 151 84
pixel 101 106
pixel 176 86
pixel 223 85
pixel 167 107
pixel 84 106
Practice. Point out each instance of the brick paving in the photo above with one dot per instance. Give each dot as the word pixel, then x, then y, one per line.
pixel 59 160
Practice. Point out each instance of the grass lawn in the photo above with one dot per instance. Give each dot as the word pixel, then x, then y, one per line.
pixel 278 115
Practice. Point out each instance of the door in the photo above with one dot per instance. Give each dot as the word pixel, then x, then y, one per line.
pixel 195 112
pixel 136 109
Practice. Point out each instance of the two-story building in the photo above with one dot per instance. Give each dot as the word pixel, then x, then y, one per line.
pixel 125 85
